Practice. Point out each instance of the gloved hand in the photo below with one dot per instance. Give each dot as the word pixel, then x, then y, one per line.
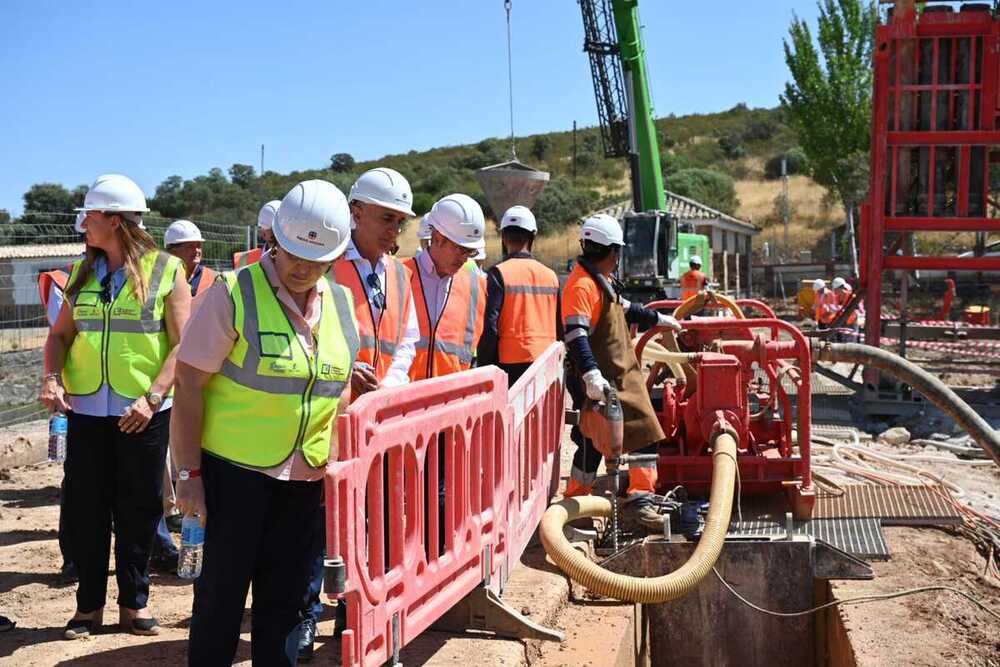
pixel 596 385
pixel 667 321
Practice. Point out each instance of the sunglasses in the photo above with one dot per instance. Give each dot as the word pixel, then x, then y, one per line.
pixel 379 298
pixel 106 289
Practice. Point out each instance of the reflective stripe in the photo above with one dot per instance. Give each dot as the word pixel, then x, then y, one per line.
pixel 367 342
pixel 585 478
pixel 470 323
pixel 386 346
pixel 89 325
pixel 138 326
pixel 463 353
pixel 389 347
pixel 272 385
pixel 531 289
pixel 346 316
pixel 328 388
pixel 573 334
pixel 583 320
pixel 154 286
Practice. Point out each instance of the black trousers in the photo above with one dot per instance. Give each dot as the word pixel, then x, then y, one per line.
pixel 514 371
pixel 116 476
pixel 262 532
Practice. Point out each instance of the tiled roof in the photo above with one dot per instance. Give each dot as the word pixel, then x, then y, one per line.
pixel 684 209
pixel 39 251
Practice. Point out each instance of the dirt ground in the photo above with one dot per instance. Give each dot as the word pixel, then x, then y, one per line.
pixel 929 629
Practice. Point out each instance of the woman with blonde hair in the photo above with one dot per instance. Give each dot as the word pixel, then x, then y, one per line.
pixel 109 364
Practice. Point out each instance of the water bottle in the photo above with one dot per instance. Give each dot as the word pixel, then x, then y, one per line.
pixel 192 545
pixel 58 427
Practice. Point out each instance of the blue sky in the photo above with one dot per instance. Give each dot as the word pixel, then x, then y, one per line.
pixel 154 89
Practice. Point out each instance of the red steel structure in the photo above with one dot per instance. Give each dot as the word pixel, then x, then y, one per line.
pixel 935 140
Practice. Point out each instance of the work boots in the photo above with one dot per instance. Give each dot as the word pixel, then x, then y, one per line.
pixel 642 513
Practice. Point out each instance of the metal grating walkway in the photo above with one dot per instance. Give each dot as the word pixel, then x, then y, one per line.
pixel 859 537
pixel 893 505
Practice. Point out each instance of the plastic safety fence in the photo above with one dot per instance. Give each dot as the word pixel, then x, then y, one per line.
pixel 437 489
pixel 967 348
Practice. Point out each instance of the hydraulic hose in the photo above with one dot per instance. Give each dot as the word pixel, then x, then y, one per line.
pixel 649 590
pixel 936 391
pixel 705 298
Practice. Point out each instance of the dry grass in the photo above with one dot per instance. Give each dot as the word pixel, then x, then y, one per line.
pixel 806 197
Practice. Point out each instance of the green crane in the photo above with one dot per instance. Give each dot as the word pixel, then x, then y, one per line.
pixel 613 42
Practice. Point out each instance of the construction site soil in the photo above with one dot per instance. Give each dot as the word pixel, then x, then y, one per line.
pixel 925 629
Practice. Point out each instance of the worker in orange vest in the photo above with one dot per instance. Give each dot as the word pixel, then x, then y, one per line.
pixel 693 280
pixel 449 297
pixel 825 306
pixel 381 200
pixel 265 219
pixel 522 301
pixel 599 345
pixel 183 240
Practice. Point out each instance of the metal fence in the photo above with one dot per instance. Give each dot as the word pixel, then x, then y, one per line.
pixel 48 241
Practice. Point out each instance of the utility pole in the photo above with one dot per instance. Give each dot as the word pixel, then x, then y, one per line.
pixel 574 150
pixel 784 203
pixel 262 159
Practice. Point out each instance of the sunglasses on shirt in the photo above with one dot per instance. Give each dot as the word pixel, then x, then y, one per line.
pixel 378 300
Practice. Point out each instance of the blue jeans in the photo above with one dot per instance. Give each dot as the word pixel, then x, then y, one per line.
pixel 163 544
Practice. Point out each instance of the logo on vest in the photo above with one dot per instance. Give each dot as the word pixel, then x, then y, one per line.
pixel 283 367
pixel 120 311
pixel 333 370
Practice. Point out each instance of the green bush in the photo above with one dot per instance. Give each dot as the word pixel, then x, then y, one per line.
pixel 796 163
pixel 707 186
pixel 562 203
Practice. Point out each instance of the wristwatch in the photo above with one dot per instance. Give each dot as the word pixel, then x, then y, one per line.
pixel 184 474
pixel 155 400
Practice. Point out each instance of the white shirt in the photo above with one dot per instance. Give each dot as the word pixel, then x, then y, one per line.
pixel 435 287
pixel 399 370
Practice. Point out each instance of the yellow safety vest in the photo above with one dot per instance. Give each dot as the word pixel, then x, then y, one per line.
pixel 123 343
pixel 271 397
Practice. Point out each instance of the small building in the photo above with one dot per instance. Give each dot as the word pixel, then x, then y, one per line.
pixel 731 239
pixel 20 305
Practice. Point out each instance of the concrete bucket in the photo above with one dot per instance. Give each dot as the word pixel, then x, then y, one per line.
pixel 510 183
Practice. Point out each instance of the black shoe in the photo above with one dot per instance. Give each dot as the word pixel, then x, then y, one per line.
pixel 174 522
pixel 307 635
pixel 68 574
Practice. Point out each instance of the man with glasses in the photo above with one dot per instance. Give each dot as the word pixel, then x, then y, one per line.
pixel 449 297
pixel 380 201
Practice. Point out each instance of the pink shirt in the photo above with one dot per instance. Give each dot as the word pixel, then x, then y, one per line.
pixel 209 337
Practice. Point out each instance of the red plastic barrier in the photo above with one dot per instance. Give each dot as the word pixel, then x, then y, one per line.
pixel 488 452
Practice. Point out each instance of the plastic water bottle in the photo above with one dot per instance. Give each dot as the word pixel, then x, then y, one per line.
pixel 192 546
pixel 58 426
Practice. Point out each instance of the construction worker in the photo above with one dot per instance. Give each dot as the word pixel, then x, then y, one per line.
pixel 825 306
pixel 693 280
pixel 265 219
pixel 423 236
pixel 262 372
pixel 183 240
pixel 843 292
pixel 380 201
pixel 597 339
pixel 449 297
pixel 109 364
pixel 522 300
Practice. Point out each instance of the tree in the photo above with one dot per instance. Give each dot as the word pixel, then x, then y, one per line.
pixel 540 146
pixel 341 162
pixel 4 216
pixel 242 175
pixel 43 200
pixel 828 102
pixel 795 163
pixel 706 186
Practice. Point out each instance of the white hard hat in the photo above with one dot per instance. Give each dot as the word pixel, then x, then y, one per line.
pixel 313 221
pixel 114 193
pixel 424 229
pixel 519 216
pixel 384 187
pixel 695 259
pixel 459 218
pixel 265 218
pixel 839 282
pixel 181 231
pixel 818 284
pixel 78 223
pixel 602 229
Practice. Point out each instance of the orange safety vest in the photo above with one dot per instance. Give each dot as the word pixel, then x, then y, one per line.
pixel 206 280
pixel 826 306
pixel 448 346
pixel 388 333
pixel 692 282
pixel 45 281
pixel 241 259
pixel 842 299
pixel 527 324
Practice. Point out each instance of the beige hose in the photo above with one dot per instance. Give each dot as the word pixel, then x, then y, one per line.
pixel 675 361
pixel 641 589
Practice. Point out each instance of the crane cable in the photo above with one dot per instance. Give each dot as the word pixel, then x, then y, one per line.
pixel 510 84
